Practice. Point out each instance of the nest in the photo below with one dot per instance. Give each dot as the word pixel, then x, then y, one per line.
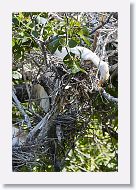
pixel 70 106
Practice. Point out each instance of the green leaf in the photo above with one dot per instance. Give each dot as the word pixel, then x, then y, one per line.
pixel 68 59
pixel 30 24
pixel 17 55
pixel 72 43
pixel 84 38
pixel 21 34
pixel 15 21
pixel 16 75
pixel 85 31
pixel 20 16
pixel 35 33
pixel 60 48
pixel 54 44
pixel 25 39
pixel 75 69
pixel 13 42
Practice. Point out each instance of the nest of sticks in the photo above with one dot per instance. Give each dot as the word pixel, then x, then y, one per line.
pixel 54 135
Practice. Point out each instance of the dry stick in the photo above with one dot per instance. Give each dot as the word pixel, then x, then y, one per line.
pixel 37 127
pixel 106 41
pixel 66 30
pixel 100 26
pixel 101 90
pixel 44 52
pixel 55 16
pixel 109 97
pixel 40 125
pixel 21 109
pixel 42 45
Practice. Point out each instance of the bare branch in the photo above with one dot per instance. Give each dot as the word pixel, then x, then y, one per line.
pixel 100 26
pixel 21 109
pixel 109 97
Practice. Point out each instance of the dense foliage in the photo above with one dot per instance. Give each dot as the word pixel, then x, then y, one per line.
pixel 87 122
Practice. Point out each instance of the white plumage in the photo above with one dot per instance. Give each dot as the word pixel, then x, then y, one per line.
pixel 42 96
pixel 86 54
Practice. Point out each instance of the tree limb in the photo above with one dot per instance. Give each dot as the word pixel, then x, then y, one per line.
pixel 100 26
pixel 21 109
pixel 108 96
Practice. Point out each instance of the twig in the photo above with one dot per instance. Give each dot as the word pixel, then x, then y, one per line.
pixel 41 44
pixel 109 97
pixel 44 52
pixel 66 29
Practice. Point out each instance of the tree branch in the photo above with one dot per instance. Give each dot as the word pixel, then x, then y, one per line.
pixel 108 96
pixel 21 109
pixel 100 26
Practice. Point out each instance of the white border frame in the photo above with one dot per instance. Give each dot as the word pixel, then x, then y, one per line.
pixel 123 174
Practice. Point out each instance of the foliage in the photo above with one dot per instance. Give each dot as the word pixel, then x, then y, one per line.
pixel 91 142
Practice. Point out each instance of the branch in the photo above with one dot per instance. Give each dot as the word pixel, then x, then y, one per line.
pixel 113 67
pixel 66 29
pixel 100 26
pixel 41 44
pixel 55 16
pixel 108 96
pixel 21 109
pixel 40 125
